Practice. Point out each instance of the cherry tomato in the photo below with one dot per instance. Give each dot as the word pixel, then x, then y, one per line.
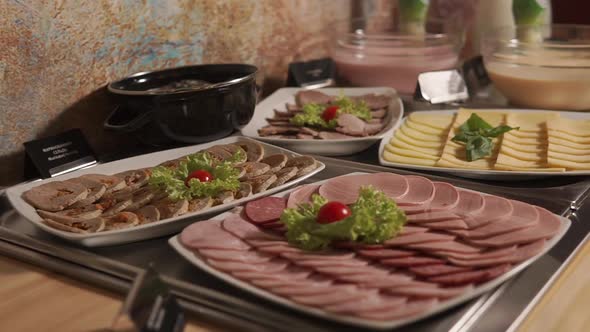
pixel 330 113
pixel 200 175
pixel 332 212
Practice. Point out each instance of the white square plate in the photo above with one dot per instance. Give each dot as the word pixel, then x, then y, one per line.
pixel 147 231
pixel 329 147
pixel 483 174
pixel 197 260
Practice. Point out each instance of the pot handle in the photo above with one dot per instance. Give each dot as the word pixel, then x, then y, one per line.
pixel 138 121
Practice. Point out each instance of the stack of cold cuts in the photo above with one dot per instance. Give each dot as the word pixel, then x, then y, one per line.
pixel 453 241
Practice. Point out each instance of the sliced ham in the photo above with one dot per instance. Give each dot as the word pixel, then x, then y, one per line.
pixel 453 246
pixel 356 245
pixel 501 226
pixel 341 296
pixel 429 292
pixel 464 278
pixel 446 196
pixel 375 302
pixel 284 282
pixel 332 256
pixel 411 261
pixel 437 270
pixel 418 238
pixel 331 262
pixel 414 209
pixel 420 192
pixel 351 125
pixel 447 225
pixel 278 249
pixel 302 195
pixel 469 203
pixel 411 308
pixel 432 217
pixel 266 209
pixel 304 97
pixel 345 189
pixel 272 266
pixel 490 253
pixel 523 253
pixel 250 256
pixel 385 253
pixel 375 101
pixel 378 114
pixel 292 272
pixel 547 227
pixel 406 230
pixel 350 270
pixel 495 208
pixel 244 230
pixel 309 290
pixel 209 235
pixel 524 210
pixel 266 242
pixel 377 281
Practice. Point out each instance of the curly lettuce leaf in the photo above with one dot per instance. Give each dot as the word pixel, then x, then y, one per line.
pixel 374 219
pixel 225 177
pixel 312 113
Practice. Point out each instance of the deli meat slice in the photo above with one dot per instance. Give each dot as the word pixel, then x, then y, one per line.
pixel 490 253
pixel 265 209
pixel 375 302
pixel 432 217
pixel 244 256
pixel 244 230
pixel 421 191
pixel 523 253
pixel 273 266
pixel 447 224
pixel 332 256
pixel 547 227
pixel 413 209
pixel 477 276
pixel 429 292
pixel 278 249
pixel 312 289
pixel 292 272
pixel 385 253
pixel 331 262
pixel 437 270
pixel 446 196
pixel 453 246
pixel 341 296
pixel 302 195
pixel 406 230
pixel 377 281
pixel 209 235
pixel 411 308
pixel 411 261
pixel 493 228
pixel 350 270
pixel 267 242
pixel 345 189
pixel 404 240
pixel 469 203
pixel 495 208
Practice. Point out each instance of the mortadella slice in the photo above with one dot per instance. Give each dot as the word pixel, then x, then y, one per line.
pixel 420 191
pixel 432 217
pixel 446 196
pixel 266 209
pixel 523 253
pixel 453 246
pixel 418 238
pixel 208 234
pixel 437 270
pixel 495 208
pixel 469 203
pixel 464 278
pixel 345 189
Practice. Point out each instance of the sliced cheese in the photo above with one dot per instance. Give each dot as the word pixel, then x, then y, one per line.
pixel 451 161
pixel 568 164
pixel 424 128
pixel 530 121
pixel 502 167
pixel 568 150
pixel 524 141
pixel 410 153
pixel 523 155
pixel 570 157
pixel 395 158
pixel 403 137
pixel 528 134
pixel 558 141
pixel 574 127
pixel 524 147
pixel 401 144
pixel 505 159
pixel 568 137
pixel 420 136
pixel 438 121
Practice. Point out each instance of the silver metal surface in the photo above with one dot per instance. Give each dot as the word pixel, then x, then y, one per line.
pixel 209 298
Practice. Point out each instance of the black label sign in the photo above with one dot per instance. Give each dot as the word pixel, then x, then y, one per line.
pixel 312 74
pixel 55 155
pixel 150 307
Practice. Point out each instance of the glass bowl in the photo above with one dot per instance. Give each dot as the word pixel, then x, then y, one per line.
pixel 546 67
pixel 374 51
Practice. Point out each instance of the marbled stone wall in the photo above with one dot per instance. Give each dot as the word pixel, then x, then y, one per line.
pixel 57 55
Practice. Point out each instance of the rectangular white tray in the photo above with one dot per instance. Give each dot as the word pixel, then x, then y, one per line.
pixel 479 173
pixel 147 231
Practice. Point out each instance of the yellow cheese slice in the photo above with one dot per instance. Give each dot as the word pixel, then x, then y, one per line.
pixel 451 161
pixel 410 153
pixel 528 134
pixel 420 136
pixel 524 141
pixel 525 169
pixel 438 121
pixel 568 137
pixel 568 150
pixel 424 128
pixel 403 137
pixel 504 159
pixel 568 164
pixel 541 148
pixel 569 157
pixel 573 127
pixel 558 141
pixel 401 144
pixel 530 121
pixel 394 158
pixel 523 155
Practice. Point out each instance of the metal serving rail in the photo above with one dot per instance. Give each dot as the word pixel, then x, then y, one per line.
pixel 208 298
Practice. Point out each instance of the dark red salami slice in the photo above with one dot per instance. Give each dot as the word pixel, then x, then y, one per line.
pixel 266 209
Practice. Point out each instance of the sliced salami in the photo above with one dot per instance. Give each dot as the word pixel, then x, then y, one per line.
pixel 266 209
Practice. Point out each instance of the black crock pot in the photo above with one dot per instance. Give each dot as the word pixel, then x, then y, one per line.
pixel 192 104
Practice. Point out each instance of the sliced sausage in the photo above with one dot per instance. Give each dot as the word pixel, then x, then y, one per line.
pixel 265 209
pixel 55 196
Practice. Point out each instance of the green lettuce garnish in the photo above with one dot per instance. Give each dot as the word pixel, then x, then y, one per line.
pixel 225 177
pixel 312 113
pixel 374 218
